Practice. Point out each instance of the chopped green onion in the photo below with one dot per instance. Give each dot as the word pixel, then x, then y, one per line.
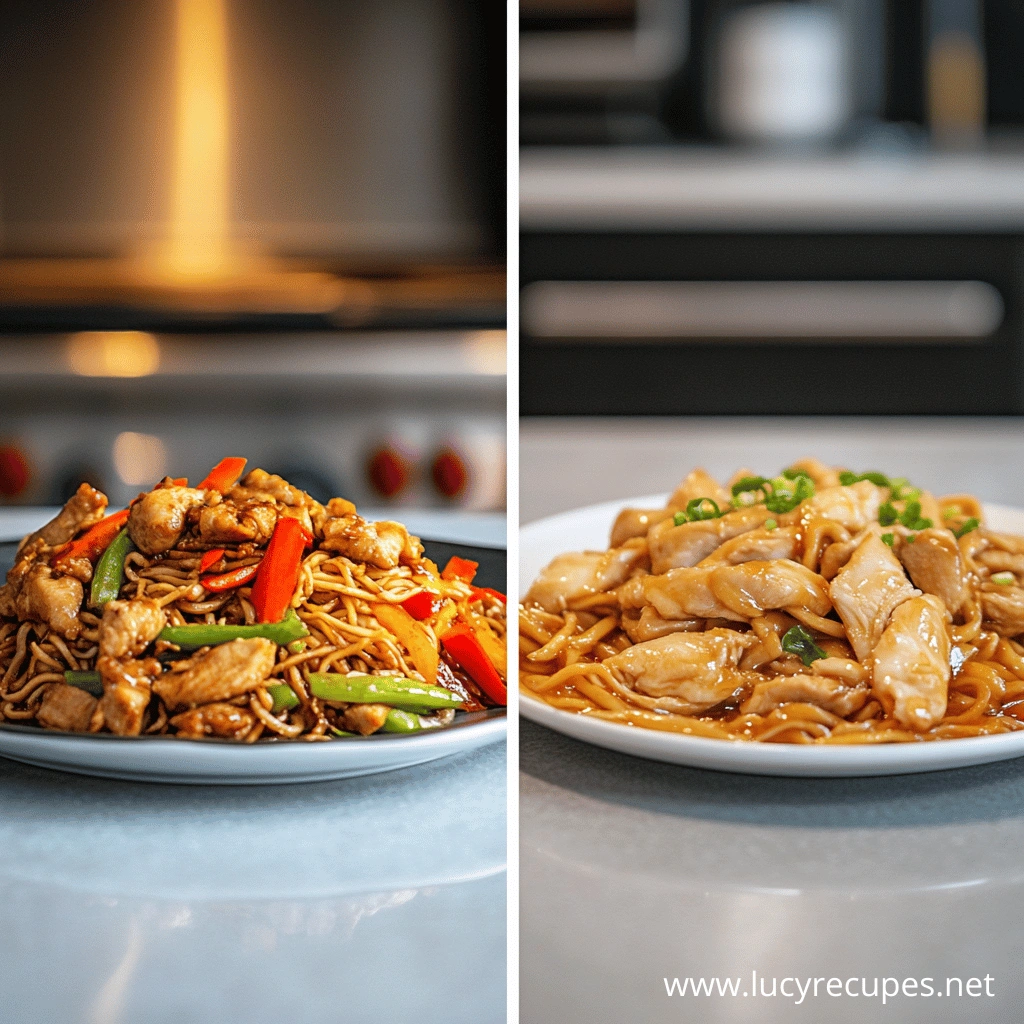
pixel 950 513
pixel 887 538
pixel 771 524
pixel 911 516
pixel 697 512
pixel 783 499
pixel 749 484
pixel 878 479
pixel 1004 579
pixel 799 642
pixel 971 524
pixel 795 474
pixel 887 514
pixel 910 538
pixel 900 489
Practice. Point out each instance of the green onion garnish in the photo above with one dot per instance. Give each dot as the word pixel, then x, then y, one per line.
pixel 799 642
pixel 911 516
pixel 950 513
pixel 971 524
pixel 697 511
pixel 878 479
pixel 1004 579
pixel 771 524
pixel 887 538
pixel 887 514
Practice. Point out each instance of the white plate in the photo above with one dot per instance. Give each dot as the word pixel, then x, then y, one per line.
pixel 221 762
pixel 589 528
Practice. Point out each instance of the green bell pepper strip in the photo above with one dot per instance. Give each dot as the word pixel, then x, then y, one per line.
pixel 88 681
pixel 200 634
pixel 284 697
pixel 406 721
pixel 108 575
pixel 399 692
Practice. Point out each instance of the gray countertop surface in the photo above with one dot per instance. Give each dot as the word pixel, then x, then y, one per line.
pixel 633 872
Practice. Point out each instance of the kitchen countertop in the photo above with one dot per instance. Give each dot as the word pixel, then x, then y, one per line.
pixel 633 871
pixel 365 900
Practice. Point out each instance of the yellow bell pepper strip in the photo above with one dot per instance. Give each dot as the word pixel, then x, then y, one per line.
pixel 109 572
pixel 92 543
pixel 210 558
pixel 230 580
pixel 397 691
pixel 412 636
pixel 88 681
pixel 278 573
pixel 460 569
pixel 202 634
pixel 462 644
pixel 223 476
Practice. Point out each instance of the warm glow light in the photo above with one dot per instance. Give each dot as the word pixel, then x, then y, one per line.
pixel 486 352
pixel 113 353
pixel 139 459
pixel 199 216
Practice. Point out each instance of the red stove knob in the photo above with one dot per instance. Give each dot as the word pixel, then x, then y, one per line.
pixel 449 473
pixel 14 471
pixel 388 472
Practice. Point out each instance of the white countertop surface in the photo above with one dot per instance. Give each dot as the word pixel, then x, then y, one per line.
pixel 634 871
pixel 376 899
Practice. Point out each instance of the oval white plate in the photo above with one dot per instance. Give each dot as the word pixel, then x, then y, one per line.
pixel 589 528
pixel 220 762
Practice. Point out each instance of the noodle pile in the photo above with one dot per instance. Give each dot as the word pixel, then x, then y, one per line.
pixel 796 676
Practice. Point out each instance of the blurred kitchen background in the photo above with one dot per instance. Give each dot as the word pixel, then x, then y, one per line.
pixel 773 208
pixel 246 227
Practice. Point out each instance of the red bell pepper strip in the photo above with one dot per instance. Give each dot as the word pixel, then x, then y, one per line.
pixel 211 557
pixel 180 481
pixel 420 606
pixel 224 475
pixel 230 580
pixel 479 592
pixel 93 542
pixel 460 569
pixel 279 571
pixel 461 643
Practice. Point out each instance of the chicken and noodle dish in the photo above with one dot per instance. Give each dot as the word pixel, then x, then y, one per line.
pixel 241 609
pixel 818 606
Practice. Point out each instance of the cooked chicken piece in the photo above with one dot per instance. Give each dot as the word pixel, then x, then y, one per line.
pixel 384 544
pixel 158 518
pixel 751 588
pixel 84 508
pixel 16 575
pixel 674 547
pixel 260 485
pixel 126 692
pixel 221 673
pixel 911 663
pixel 832 695
pixel 697 669
pixel 1004 609
pixel 934 565
pixel 649 625
pixel 699 484
pixel 853 507
pixel 683 593
pixel 580 573
pixel 364 718
pixel 635 522
pixel 866 590
pixel 223 720
pixel 54 600
pixel 128 627
pixel 66 707
pixel 232 523
pixel 757 545
pixel 845 669
pixel 822 475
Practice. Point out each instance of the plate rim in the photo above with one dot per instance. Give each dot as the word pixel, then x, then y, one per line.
pixel 744 756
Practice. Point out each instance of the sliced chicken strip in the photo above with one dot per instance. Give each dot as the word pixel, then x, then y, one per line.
pixel 126 692
pixel 221 673
pixel 231 523
pixel 129 627
pixel 911 663
pixel 579 574
pixel 674 547
pixel 822 475
pixel 833 695
pixel 697 669
pixel 757 545
pixel 853 507
pixel 158 519
pixel 84 508
pixel 865 592
pixel 636 522
pixel 365 719
pixel 1004 609
pixel 384 544
pixel 649 625
pixel 55 601
pixel 751 588
pixel 934 565
pixel 684 593
pixel 222 720
pixel 66 707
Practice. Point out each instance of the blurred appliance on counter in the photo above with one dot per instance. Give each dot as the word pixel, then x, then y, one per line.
pixel 272 230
